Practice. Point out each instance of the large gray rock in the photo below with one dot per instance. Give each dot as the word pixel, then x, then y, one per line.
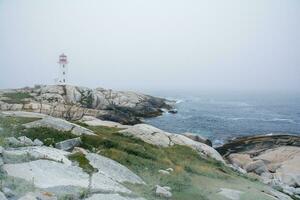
pixel 111 197
pixel 113 169
pixel 240 160
pixel 26 154
pixel 61 125
pixel 20 142
pixel 258 167
pixel 23 114
pixel 25 141
pixel 2 196
pixel 277 195
pixel 162 192
pixel 230 193
pixel 93 121
pixel 149 134
pixel 283 162
pixel 37 142
pixel 39 171
pixel 13 142
pixel 38 196
pixel 8 192
pixel 68 144
pixel 155 136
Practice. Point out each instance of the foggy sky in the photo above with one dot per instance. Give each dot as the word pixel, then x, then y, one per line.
pixel 152 44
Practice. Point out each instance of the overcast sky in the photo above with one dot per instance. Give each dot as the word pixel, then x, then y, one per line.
pixel 152 44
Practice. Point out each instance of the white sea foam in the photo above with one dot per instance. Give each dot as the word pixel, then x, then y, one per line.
pixel 179 101
pixel 217 142
pixel 279 120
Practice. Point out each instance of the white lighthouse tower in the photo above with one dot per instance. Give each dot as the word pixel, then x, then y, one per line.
pixel 63 65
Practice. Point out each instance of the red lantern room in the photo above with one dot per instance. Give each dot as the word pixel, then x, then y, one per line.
pixel 63 59
pixel 63 69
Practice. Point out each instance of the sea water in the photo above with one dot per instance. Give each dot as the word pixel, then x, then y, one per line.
pixel 220 116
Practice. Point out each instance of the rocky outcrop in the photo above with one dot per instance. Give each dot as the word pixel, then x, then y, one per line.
pixel 256 144
pixel 276 158
pixel 230 194
pixel 69 144
pixel 163 192
pixel 23 114
pixel 111 197
pixel 25 154
pixel 113 169
pixel 61 175
pixel 51 170
pixel 72 102
pixel 2 196
pixel 155 136
pixel 61 125
pixel 38 196
pixel 93 121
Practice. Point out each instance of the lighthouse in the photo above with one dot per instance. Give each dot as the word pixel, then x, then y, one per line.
pixel 63 66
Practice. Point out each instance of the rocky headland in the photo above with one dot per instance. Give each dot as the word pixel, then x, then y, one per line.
pixel 69 143
pixel 74 102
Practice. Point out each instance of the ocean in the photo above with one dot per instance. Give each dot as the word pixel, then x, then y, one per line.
pixel 221 116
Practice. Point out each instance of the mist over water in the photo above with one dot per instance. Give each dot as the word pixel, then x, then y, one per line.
pixel 171 45
pixel 222 116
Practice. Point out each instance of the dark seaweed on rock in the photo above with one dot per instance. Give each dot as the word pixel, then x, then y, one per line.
pixel 256 144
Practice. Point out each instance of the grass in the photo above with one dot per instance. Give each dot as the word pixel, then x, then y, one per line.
pixel 16 97
pixel 48 136
pixel 83 162
pixel 194 177
pixel 145 160
pixel 12 127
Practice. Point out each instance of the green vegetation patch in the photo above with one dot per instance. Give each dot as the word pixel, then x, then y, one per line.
pixel 19 186
pixel 86 99
pixel 108 138
pixel 83 162
pixel 48 136
pixel 12 127
pixel 16 97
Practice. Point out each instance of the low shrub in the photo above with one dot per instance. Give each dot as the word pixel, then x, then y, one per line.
pixel 16 97
pixel 48 136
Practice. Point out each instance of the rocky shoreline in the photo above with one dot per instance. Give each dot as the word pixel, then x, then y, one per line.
pixel 93 144
pixel 274 158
